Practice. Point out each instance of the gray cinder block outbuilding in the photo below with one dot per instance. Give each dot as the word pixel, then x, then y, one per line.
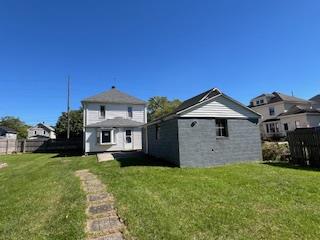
pixel 206 130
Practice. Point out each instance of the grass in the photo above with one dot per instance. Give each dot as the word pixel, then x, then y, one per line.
pixel 41 199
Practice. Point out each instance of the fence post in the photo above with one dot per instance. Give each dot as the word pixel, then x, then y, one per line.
pixel 24 146
pixel 7 147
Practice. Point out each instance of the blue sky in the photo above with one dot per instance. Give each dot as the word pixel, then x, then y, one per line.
pixel 146 48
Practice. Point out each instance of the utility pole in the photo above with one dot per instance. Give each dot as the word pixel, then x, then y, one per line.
pixel 68 110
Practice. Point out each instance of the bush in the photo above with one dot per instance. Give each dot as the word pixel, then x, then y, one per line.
pixel 274 151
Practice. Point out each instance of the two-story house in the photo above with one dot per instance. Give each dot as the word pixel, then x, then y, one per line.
pixel 112 121
pixel 282 113
pixel 41 130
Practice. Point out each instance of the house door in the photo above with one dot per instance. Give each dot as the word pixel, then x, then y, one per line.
pixel 128 140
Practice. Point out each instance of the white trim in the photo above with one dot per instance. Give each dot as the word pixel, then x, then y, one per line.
pixel 112 137
pixel 211 99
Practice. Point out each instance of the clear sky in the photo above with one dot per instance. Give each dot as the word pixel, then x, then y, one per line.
pixel 146 48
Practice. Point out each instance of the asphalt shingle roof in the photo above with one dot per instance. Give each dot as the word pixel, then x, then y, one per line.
pixel 117 122
pixel 114 96
pixel 315 98
pixel 283 97
pixel 299 109
pixel 8 130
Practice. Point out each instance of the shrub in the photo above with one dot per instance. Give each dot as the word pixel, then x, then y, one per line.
pixel 272 151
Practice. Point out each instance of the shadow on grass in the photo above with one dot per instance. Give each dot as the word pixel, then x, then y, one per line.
pixel 144 161
pixel 68 154
pixel 291 166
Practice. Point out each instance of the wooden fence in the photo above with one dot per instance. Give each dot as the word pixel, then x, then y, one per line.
pixel 39 145
pixel 304 144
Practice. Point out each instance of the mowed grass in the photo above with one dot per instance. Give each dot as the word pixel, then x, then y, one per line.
pixel 41 199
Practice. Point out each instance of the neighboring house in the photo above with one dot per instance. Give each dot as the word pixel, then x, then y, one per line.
pixel 208 129
pixel 281 113
pixel 112 122
pixel 41 130
pixel 7 133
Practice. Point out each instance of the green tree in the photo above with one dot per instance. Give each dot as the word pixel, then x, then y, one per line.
pixel 16 124
pixel 76 124
pixel 160 106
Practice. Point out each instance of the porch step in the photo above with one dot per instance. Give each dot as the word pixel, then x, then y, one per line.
pixel 104 157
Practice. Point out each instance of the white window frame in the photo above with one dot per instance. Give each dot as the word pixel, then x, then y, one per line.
pixel 222 129
pixel 112 137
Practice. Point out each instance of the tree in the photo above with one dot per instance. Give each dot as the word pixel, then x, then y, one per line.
pixel 161 106
pixel 76 124
pixel 15 124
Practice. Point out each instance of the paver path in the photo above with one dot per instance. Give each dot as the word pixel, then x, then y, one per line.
pixel 3 165
pixel 103 223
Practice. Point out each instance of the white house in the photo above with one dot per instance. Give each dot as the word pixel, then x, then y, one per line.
pixel 112 121
pixel 282 113
pixel 7 133
pixel 41 130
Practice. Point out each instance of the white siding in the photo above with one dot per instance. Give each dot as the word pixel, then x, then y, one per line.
pixel 91 144
pixel 313 120
pixel 113 111
pixel 220 107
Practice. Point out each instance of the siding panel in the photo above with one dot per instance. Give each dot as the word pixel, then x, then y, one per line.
pixel 220 107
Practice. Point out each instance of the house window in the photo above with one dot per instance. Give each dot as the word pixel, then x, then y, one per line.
pixel 271 111
pixel 130 112
pixel 257 102
pixel 35 132
pixel 261 101
pixel 102 111
pixel 157 132
pixel 106 136
pixel 297 124
pixel 221 128
pixel 267 126
pixel 128 136
pixel 44 132
pixel 285 126
pixel 272 128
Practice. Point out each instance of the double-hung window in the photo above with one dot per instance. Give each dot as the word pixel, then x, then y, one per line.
pixel 105 136
pixel 102 113
pixel 130 113
pixel 221 128
pixel 271 111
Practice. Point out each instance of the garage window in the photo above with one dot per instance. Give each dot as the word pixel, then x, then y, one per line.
pixel 221 128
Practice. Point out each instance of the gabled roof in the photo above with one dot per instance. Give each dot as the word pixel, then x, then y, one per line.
pixel 46 126
pixel 116 122
pixel 114 96
pixel 7 129
pixel 199 99
pixel 299 109
pixel 278 97
pixel 316 98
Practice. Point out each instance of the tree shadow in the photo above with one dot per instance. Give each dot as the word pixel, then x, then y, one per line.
pixel 145 161
pixel 67 154
pixel 292 166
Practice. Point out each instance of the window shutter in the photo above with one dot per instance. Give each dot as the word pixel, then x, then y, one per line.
pixel 98 136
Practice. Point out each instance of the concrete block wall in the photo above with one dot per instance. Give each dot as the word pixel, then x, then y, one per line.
pixel 199 146
pixel 167 146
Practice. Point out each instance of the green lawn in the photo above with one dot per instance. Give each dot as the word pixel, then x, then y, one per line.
pixel 40 198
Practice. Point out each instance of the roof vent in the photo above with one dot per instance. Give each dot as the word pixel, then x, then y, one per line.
pixel 113 87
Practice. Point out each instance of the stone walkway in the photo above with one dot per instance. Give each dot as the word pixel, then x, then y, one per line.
pixel 103 223
pixel 3 165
